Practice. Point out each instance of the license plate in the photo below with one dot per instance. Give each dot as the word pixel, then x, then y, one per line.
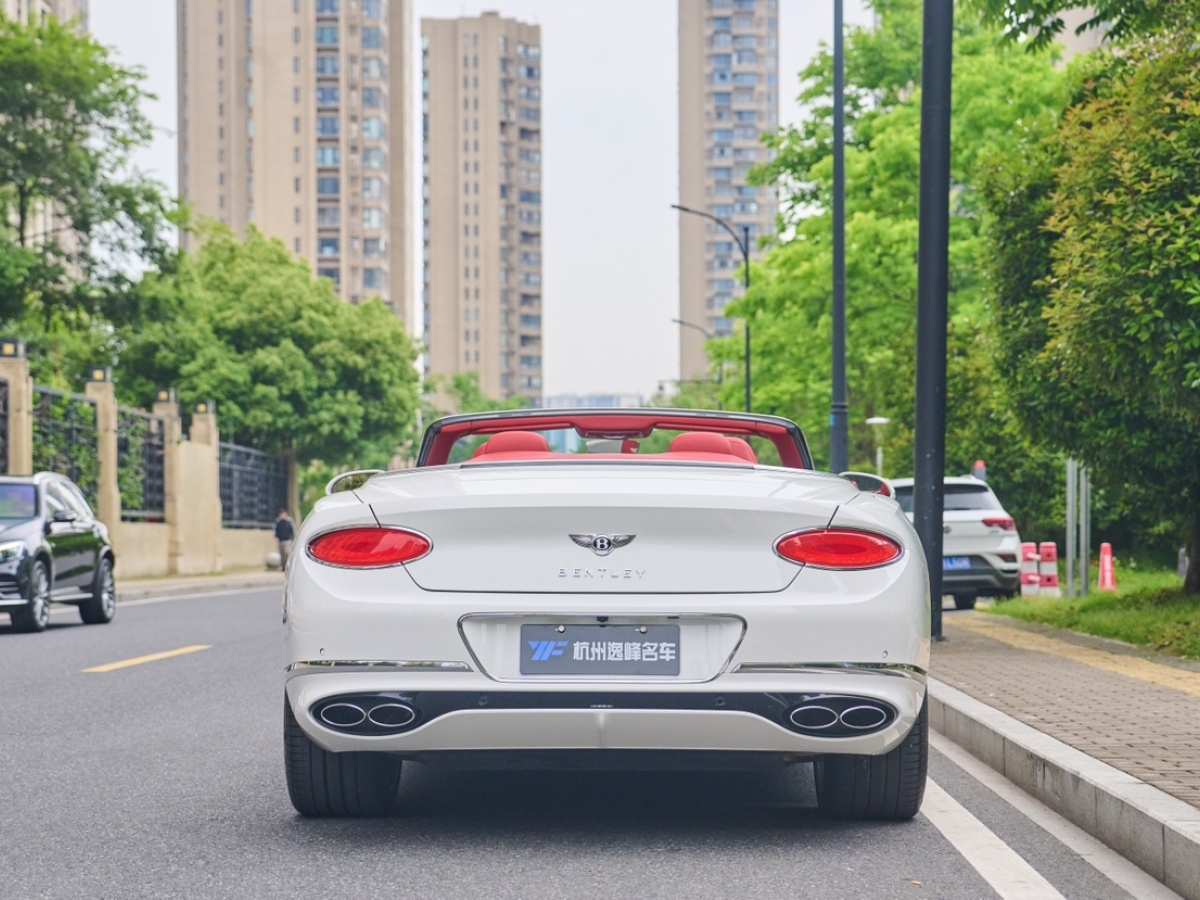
pixel 950 563
pixel 599 649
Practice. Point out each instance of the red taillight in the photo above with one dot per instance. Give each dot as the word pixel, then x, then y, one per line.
pixel 1003 522
pixel 368 548
pixel 837 548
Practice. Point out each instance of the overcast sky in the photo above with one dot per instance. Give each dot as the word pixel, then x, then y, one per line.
pixel 610 157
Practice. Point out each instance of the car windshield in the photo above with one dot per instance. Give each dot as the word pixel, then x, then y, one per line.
pixel 957 497
pixel 18 501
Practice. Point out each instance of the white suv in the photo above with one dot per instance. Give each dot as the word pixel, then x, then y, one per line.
pixel 981 550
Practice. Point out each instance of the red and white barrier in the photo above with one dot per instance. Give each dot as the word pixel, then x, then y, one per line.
pixel 1108 571
pixel 1048 569
pixel 1031 578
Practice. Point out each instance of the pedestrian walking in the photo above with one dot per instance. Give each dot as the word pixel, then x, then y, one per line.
pixel 285 533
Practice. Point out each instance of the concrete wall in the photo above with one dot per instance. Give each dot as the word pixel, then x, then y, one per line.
pixel 191 541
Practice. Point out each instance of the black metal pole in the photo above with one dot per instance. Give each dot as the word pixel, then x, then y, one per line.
pixel 839 428
pixel 745 244
pixel 720 369
pixel 932 288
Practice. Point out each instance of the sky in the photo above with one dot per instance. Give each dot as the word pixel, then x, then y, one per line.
pixel 610 163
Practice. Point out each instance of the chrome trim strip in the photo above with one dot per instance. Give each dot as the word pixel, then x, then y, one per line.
pixel 407 665
pixel 900 670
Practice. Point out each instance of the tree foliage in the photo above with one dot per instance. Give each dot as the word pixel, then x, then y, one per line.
pixel 290 366
pixel 1041 21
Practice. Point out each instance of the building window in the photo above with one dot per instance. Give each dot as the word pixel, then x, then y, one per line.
pixel 329 216
pixel 327 36
pixel 328 96
pixel 329 65
pixel 334 275
pixel 328 7
pixel 531 363
pixel 328 126
pixel 372 38
pixel 372 98
pixel 372 129
pixel 374 158
pixel 373 218
pixel 373 248
pixel 373 9
pixel 373 279
pixel 373 67
pixel 329 187
pixel 329 156
pixel 329 246
pixel 373 188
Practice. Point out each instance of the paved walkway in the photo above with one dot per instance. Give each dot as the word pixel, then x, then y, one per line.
pixel 1138 712
pixel 138 588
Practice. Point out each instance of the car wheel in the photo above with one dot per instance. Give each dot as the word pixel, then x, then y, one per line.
pixel 327 784
pixel 35 614
pixel 964 601
pixel 877 787
pixel 102 605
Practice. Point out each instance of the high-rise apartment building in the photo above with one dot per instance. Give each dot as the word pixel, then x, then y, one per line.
pixel 728 98
pixel 61 9
pixel 482 157
pixel 294 117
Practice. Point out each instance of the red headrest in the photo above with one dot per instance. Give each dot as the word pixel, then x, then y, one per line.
pixel 701 442
pixel 741 448
pixel 511 441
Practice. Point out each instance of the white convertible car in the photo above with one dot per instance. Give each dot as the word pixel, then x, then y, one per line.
pixel 670 589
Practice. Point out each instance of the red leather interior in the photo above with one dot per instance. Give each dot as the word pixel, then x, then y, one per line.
pixel 524 446
pixel 514 442
pixel 742 448
pixel 700 442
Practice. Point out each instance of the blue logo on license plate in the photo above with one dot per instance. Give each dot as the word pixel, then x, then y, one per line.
pixel 543 650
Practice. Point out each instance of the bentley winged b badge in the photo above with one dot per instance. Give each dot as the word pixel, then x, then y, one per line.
pixel 602 544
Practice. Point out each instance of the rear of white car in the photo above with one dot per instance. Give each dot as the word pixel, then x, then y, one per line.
pixel 630 614
pixel 981 549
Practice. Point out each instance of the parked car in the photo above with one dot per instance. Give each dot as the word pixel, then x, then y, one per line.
pixel 608 608
pixel 52 549
pixel 981 549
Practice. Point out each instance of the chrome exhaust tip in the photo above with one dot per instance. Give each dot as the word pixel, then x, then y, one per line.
pixel 391 715
pixel 813 717
pixel 342 715
pixel 863 718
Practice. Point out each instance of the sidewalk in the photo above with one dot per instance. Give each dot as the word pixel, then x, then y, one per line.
pixel 176 585
pixel 1105 734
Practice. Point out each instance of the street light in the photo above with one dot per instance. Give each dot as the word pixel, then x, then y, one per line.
pixel 878 423
pixel 743 245
pixel 839 425
pixel 720 370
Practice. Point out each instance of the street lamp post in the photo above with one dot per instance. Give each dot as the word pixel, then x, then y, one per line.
pixel 839 425
pixel 720 369
pixel 877 424
pixel 744 245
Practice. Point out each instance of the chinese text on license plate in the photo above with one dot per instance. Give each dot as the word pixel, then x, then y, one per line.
pixel 599 649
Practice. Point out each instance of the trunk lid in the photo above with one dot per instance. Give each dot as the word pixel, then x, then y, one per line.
pixel 508 528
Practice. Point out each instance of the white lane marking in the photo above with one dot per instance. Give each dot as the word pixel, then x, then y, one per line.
pixel 1002 867
pixel 1107 862
pixel 122 604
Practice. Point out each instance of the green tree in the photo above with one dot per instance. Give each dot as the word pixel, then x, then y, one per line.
pixel 291 367
pixel 1041 20
pixel 1097 270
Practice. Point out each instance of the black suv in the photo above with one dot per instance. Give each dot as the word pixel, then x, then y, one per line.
pixel 52 548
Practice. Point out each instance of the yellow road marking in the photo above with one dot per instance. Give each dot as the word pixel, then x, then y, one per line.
pixel 1181 680
pixel 153 657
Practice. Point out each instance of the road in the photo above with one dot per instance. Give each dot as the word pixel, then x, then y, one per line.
pixel 164 778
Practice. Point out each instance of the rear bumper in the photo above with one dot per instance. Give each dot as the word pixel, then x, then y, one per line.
pixel 736 713
pixel 982 578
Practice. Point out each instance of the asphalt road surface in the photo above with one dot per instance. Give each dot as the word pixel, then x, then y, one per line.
pixel 164 778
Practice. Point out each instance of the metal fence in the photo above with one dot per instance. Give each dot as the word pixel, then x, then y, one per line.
pixel 141 469
pixel 253 487
pixel 65 437
pixel 3 426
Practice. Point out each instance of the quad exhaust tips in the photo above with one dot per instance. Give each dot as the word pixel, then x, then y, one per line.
pixel 829 716
pixel 366 714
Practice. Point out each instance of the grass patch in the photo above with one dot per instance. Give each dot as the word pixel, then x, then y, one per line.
pixel 1150 611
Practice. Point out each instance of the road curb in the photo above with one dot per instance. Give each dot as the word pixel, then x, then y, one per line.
pixel 1155 831
pixel 148 592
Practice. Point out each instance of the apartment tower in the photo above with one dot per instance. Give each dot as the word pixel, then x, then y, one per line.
pixel 482 158
pixel 294 117
pixel 60 9
pixel 728 98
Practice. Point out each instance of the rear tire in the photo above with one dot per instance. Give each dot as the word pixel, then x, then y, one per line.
pixel 35 614
pixel 891 786
pixel 964 601
pixel 100 608
pixel 327 784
